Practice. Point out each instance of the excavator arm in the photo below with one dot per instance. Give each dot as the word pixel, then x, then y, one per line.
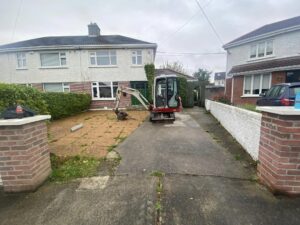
pixel 121 90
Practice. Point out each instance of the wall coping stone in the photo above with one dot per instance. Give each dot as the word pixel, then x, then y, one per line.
pixel 23 121
pixel 280 110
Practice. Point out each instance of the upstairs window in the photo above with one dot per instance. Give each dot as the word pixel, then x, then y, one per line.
pixel 261 49
pixel 21 60
pixel 103 58
pixel 137 57
pixel 53 59
pixel 257 84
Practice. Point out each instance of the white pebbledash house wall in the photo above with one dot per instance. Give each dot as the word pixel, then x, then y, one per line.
pixel 284 45
pixel 95 64
pixel 77 68
pixel 277 60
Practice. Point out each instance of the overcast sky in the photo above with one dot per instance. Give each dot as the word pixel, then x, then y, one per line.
pixel 177 26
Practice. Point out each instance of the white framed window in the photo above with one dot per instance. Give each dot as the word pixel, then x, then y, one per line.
pixel 261 49
pixel 56 87
pixel 26 85
pixel 103 58
pixel 136 57
pixel 21 60
pixel 256 84
pixel 104 90
pixel 53 59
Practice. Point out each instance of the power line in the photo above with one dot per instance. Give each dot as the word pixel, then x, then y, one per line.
pixel 185 23
pixel 189 53
pixel 16 20
pixel 210 23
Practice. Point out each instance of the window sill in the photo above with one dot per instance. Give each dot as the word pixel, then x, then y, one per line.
pixel 137 66
pixel 250 96
pixel 108 66
pixel 54 67
pixel 103 99
pixel 21 68
pixel 261 58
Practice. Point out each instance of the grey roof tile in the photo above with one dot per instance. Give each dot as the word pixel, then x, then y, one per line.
pixel 288 23
pixel 74 40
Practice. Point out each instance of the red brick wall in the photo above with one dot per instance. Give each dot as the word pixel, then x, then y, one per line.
pixel 279 153
pixel 81 87
pixel 228 87
pixel 24 156
pixel 85 87
pixel 278 77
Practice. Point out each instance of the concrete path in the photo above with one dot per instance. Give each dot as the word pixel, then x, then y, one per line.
pixel 204 183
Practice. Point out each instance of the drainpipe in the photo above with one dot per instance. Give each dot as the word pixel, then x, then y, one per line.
pixel 232 85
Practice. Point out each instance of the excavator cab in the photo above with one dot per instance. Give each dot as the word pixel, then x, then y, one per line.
pixel 166 98
pixel 166 92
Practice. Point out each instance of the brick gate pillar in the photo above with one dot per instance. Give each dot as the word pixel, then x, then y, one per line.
pixel 279 149
pixel 24 153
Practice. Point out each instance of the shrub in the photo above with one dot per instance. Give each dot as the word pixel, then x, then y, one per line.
pixel 223 99
pixel 183 87
pixel 12 94
pixel 66 104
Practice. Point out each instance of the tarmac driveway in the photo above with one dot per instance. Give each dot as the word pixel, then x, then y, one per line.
pixel 204 183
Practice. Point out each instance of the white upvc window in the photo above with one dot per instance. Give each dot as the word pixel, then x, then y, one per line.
pixel 21 60
pixel 53 59
pixel 256 84
pixel 261 49
pixel 56 87
pixel 136 57
pixel 103 58
pixel 104 90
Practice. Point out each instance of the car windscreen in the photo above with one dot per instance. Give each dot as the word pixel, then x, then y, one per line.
pixel 276 91
pixel 294 90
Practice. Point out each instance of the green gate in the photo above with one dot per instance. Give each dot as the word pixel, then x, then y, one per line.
pixel 142 87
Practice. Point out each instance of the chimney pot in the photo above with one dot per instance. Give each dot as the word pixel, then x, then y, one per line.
pixel 94 30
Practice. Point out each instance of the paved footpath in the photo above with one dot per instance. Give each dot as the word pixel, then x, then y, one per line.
pixel 204 183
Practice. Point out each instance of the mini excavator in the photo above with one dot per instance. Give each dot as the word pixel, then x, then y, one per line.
pixel 166 99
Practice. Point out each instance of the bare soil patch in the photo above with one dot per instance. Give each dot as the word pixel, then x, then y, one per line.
pixel 100 131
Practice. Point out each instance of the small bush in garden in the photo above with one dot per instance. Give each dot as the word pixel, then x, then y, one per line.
pixel 66 104
pixel 12 94
pixel 222 99
pixel 68 168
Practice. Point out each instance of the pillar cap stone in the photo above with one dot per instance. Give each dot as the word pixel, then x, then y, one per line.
pixel 280 110
pixel 23 121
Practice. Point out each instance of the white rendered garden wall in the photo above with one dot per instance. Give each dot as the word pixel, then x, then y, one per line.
pixel 242 124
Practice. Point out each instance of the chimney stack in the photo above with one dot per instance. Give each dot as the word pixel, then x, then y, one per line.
pixel 94 30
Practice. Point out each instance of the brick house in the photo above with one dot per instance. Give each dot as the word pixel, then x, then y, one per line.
pixel 94 63
pixel 262 58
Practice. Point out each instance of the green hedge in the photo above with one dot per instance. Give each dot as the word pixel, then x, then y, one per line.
pixel 150 73
pixel 66 104
pixel 11 94
pixel 58 105
pixel 186 92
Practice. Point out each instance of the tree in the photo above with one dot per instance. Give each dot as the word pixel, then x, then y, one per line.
pixel 202 75
pixel 176 66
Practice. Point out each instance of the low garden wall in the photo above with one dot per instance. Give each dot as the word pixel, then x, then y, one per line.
pixel 242 124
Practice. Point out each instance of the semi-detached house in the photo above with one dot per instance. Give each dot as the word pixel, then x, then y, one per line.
pixel 95 64
pixel 266 56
